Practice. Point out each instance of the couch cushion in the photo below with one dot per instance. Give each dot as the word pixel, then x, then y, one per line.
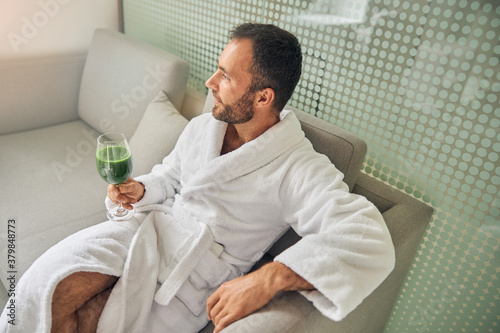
pixel 48 85
pixel 50 187
pixel 156 134
pixel 116 89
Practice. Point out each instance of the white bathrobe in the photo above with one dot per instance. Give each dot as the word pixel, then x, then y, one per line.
pixel 212 217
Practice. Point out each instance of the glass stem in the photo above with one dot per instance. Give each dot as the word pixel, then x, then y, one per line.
pixel 120 209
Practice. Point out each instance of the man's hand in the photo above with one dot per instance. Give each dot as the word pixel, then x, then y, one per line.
pixel 127 193
pixel 244 295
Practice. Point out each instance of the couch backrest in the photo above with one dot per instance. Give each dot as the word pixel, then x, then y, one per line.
pixel 39 92
pixel 121 77
pixel 344 149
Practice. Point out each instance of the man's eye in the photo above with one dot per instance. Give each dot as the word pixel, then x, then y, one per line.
pixel 224 76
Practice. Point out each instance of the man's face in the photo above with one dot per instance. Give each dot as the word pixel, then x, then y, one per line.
pixel 231 82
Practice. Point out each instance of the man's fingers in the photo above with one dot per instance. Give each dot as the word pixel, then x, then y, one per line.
pixel 211 302
pixel 113 194
pixel 217 312
pixel 130 186
pixel 128 206
pixel 132 190
pixel 122 198
pixel 224 322
pixel 113 191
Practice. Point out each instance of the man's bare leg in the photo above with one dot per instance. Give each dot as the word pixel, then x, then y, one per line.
pixel 90 312
pixel 81 293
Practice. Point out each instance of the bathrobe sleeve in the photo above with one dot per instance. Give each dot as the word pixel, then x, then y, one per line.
pixel 346 250
pixel 163 182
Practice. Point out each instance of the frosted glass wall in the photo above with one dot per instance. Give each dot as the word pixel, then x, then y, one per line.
pixel 420 82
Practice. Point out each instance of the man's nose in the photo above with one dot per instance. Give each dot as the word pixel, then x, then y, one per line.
pixel 211 82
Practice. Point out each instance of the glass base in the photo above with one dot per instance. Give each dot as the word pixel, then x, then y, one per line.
pixel 120 214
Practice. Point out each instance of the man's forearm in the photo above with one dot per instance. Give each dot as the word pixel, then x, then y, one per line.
pixel 285 279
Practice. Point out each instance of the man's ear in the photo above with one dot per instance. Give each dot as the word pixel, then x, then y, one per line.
pixel 265 97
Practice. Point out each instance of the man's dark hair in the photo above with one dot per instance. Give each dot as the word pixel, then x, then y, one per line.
pixel 277 59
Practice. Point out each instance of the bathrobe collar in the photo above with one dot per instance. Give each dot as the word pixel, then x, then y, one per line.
pixel 251 155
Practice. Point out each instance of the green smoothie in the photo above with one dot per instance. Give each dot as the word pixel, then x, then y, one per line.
pixel 114 164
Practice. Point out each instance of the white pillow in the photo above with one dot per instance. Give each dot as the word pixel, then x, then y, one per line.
pixel 156 135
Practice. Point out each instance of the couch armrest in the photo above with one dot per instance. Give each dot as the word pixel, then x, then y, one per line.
pixel 39 92
pixel 407 219
pixel 287 312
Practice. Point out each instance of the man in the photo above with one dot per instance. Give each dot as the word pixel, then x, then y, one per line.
pixel 235 182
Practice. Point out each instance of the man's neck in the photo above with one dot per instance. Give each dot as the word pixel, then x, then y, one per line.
pixel 239 134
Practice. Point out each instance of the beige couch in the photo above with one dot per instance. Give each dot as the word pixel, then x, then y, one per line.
pixel 53 109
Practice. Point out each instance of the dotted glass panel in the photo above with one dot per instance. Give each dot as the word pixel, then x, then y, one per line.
pixel 419 81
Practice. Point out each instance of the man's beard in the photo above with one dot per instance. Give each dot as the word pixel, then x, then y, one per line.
pixel 239 112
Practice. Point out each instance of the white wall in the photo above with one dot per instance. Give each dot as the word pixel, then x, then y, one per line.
pixel 32 28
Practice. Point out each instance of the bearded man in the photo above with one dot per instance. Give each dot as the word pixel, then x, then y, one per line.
pixel 237 179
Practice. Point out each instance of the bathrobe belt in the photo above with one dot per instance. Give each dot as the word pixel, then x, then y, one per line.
pixel 193 249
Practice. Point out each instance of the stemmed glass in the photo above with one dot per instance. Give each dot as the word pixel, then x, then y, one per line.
pixel 114 163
